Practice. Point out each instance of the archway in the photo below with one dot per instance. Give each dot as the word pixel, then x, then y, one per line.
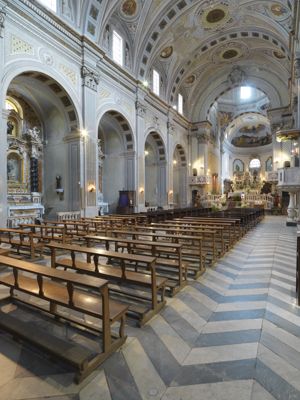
pixel 155 171
pixel 179 177
pixel 40 116
pixel 116 163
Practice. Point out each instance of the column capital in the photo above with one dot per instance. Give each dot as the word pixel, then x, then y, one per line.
pixel 2 21
pixel 140 109
pixel 5 113
pixel 297 67
pixel 90 78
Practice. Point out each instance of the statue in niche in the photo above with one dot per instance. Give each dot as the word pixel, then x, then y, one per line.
pixel 58 182
pixel 100 164
pixel 12 169
pixel 236 76
pixel 10 127
pixel 106 37
pixel 127 56
pixel 66 9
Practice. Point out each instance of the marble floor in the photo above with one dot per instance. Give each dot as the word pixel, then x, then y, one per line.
pixel 232 334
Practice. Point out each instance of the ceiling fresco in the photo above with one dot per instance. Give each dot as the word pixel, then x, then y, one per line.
pixel 194 44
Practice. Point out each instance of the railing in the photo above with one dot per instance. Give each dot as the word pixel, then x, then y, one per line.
pixel 68 215
pixel 198 180
pixel 289 176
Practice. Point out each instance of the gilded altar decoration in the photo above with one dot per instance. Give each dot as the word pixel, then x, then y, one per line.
pixel 129 7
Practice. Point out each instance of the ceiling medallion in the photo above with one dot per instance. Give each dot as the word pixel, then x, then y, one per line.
pixel 278 9
pixel 190 80
pixel 212 18
pixel 215 15
pixel 278 54
pixel 230 53
pixel 166 52
pixel 129 8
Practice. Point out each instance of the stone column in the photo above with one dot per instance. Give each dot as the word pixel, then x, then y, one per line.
pixel 291 210
pixel 3 130
pixel 90 81
pixel 76 200
pixel 3 169
pixel 170 155
pixel 140 151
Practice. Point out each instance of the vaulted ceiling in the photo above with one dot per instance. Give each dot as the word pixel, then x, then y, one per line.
pixel 197 45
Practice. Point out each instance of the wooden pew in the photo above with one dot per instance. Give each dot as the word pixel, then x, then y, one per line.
pixel 62 289
pixel 141 306
pixel 191 252
pixel 47 233
pixel 208 235
pixel 168 257
pixel 235 230
pixel 74 229
pixel 215 232
pixel 21 240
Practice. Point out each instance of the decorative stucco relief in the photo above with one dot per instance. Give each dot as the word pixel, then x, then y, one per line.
pixel 69 73
pixel 19 46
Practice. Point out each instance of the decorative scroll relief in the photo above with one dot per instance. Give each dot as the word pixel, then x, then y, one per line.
pixel 19 46
pixel 69 73
pixel 103 92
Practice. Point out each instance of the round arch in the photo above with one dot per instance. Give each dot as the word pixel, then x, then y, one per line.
pixel 116 162
pixel 50 115
pixel 155 170
pixel 18 68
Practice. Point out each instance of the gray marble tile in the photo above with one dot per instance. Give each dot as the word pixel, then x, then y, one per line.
pixel 216 372
pixel 120 381
pixel 283 323
pixel 274 384
pixel 161 357
pixel 235 315
pixel 180 325
pixel 222 338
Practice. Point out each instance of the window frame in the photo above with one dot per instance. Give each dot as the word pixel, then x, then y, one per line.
pixel 156 82
pixel 117 53
pixel 50 4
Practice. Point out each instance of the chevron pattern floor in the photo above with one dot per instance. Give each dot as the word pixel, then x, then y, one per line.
pixel 233 334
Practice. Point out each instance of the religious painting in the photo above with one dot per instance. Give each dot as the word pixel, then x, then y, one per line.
pixel 238 166
pixel 252 136
pixel 166 52
pixel 278 9
pixel 269 164
pixel 129 7
pixel 190 79
pixel 14 168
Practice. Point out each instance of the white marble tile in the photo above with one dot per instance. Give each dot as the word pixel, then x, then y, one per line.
pixel 205 300
pixel 174 343
pixel 242 305
pixel 147 379
pixel 97 389
pixel 280 366
pixel 244 292
pixel 259 393
pixel 188 314
pixel 294 319
pixel 232 325
pixel 233 352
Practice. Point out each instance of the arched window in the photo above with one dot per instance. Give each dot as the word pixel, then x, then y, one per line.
pixel 49 4
pixel 117 48
pixel 255 163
